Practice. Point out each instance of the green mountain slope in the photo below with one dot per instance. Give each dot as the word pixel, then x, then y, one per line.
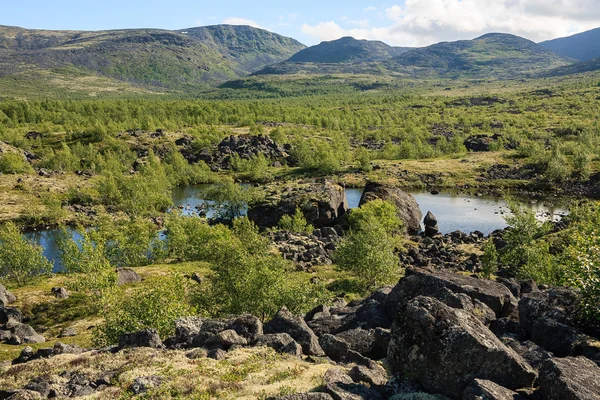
pixel 347 50
pixel 493 55
pixel 582 46
pixel 577 68
pixel 156 59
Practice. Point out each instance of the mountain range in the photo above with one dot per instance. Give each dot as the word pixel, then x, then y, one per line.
pixel 198 59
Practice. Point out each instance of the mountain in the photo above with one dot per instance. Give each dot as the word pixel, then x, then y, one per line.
pixel 347 50
pixel 495 55
pixel 577 68
pixel 188 59
pixel 582 46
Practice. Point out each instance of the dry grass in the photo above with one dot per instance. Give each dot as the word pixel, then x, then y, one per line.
pixel 249 373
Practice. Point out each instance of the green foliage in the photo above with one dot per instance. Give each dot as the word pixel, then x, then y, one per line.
pixel 369 250
pixel 363 158
pixel 20 259
pixel 192 239
pixel 489 259
pixel 14 163
pixel 156 304
pixel 320 155
pixel 230 199
pixel 181 173
pixel 558 169
pixel 146 192
pixel 254 169
pixel 295 223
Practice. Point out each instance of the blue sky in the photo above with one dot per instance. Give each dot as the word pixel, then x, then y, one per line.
pixel 400 22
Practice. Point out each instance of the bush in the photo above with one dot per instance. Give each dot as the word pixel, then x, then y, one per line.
pixel 193 239
pixel 369 250
pixel 489 259
pixel 296 223
pixel 14 163
pixel 20 259
pixel 156 304
pixel 230 199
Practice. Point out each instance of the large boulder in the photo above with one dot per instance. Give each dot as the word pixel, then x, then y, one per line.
pixel 187 328
pixel 323 204
pixel 569 379
pixel 441 284
pixel 408 209
pixel 6 297
pixel 127 276
pixel 341 387
pixel 280 342
pixel 25 333
pixel 286 322
pixel 145 338
pixel 444 349
pixel 481 389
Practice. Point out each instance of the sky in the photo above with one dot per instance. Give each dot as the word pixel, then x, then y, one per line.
pixel 398 23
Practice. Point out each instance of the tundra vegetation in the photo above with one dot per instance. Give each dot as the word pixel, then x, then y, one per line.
pixel 108 167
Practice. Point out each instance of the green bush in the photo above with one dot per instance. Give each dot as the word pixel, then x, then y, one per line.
pixel 295 223
pixel 193 239
pixel 20 259
pixel 155 304
pixel 230 199
pixel 489 259
pixel 14 163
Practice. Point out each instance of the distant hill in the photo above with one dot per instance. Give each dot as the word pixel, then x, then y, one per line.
pixel 577 68
pixel 582 46
pixel 347 50
pixel 188 59
pixel 493 55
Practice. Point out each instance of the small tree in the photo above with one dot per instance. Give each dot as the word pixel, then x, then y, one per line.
pixel 489 259
pixel 296 223
pixel 20 259
pixel 230 199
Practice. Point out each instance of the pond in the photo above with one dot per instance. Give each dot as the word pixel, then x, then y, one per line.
pixel 453 211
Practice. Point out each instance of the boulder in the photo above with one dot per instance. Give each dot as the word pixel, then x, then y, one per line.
pixel 186 328
pixel 225 340
pixel 569 379
pixel 372 377
pixel 247 326
pixel 127 276
pixel 444 349
pixel 25 333
pixel 481 389
pixel 61 348
pixel 25 394
pixel 531 352
pixel 145 338
pixel 408 209
pixel 372 343
pixel 437 284
pixel 322 203
pixel 370 314
pixel 341 387
pixel 480 143
pixel 304 396
pixel 144 384
pixel 334 347
pixel 285 322
pixel 67 332
pixel 217 354
pixel 280 342
pixel 6 297
pixel 431 225
pixel 60 292
pixel 10 316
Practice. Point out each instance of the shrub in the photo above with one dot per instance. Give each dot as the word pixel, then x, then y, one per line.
pixel 230 199
pixel 14 163
pixel 193 239
pixel 295 223
pixel 489 259
pixel 558 169
pixel 20 259
pixel 156 304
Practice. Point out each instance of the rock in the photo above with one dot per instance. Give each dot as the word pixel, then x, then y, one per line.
pixel 322 203
pixel 127 276
pixel 318 312
pixel 25 333
pixel 444 349
pixel 216 354
pixel 304 396
pixel 372 377
pixel 431 225
pixel 145 338
pixel 433 283
pixel 341 387
pixel 408 209
pixel 370 343
pixel 6 297
pixel 334 347
pixel 553 336
pixel 481 389
pixel 531 352
pixel 214 326
pixel 60 292
pixel 285 322
pixel 480 143
pixel 10 316
pixel 143 384
pixel 39 385
pixel 225 340
pixel 26 354
pixel 329 324
pixel 196 354
pixel 186 328
pixel 280 342
pixel 569 379
pixel 61 348
pixel 25 394
pixel 247 326
pixel 369 315
pixel 508 327
pixel 67 332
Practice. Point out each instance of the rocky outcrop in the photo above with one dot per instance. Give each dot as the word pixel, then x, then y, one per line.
pixel 244 146
pixel 286 322
pixel 307 250
pixel 323 203
pixel 145 338
pixel 407 207
pixel 481 143
pixel 444 349
pixel 569 379
pixel 487 390
pixel 431 225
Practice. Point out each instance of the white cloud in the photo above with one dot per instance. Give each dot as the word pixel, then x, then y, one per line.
pixel 370 9
pixel 241 21
pixel 423 22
